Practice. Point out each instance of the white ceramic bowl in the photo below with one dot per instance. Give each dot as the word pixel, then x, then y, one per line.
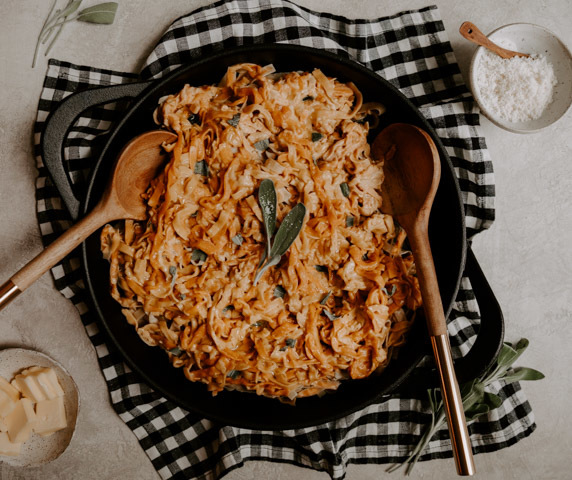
pixel 38 450
pixel 532 39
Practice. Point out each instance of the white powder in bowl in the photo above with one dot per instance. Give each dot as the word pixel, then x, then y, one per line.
pixel 516 89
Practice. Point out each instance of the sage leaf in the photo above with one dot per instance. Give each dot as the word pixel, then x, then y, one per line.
pixel 234 121
pixel 476 411
pixel 316 136
pixel 350 220
pixel 234 374
pixel 228 308
pixel 267 202
pixel 523 373
pixel 290 342
pixel 198 256
pixel 345 189
pixel 279 291
pixel 71 8
pixel 175 351
pixel 492 400
pixel 273 261
pixel 321 268
pixel 262 145
pixel 288 230
pixel 202 168
pixel 103 13
pixel 330 315
pixel 237 239
pixel 325 299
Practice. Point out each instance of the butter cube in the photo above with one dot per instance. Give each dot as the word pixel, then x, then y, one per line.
pixel 7 404
pixel 21 421
pixel 29 387
pixel 47 379
pixel 7 447
pixel 50 416
pixel 9 389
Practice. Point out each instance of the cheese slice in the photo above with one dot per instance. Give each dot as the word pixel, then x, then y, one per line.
pixel 21 421
pixel 9 389
pixel 50 416
pixel 29 387
pixel 7 404
pixel 7 447
pixel 46 379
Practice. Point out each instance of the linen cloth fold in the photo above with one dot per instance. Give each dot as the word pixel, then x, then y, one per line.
pixel 411 50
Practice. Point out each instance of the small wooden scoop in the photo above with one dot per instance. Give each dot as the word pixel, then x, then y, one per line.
pixel 136 166
pixel 473 34
pixel 412 171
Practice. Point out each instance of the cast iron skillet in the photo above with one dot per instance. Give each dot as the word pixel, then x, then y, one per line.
pixel 447 236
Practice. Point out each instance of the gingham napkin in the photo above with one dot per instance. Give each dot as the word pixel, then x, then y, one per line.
pixel 412 51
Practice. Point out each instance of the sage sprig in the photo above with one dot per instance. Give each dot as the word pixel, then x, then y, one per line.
pixel 476 400
pixel 287 232
pixel 102 13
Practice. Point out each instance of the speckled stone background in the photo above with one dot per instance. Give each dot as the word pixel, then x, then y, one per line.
pixel 526 255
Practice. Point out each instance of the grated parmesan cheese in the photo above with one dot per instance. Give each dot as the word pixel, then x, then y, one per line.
pixel 516 89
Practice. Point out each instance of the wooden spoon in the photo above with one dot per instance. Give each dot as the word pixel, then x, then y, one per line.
pixel 412 171
pixel 136 166
pixel 473 34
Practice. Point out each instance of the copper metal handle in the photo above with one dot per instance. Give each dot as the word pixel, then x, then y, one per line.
pixel 453 402
pixel 8 292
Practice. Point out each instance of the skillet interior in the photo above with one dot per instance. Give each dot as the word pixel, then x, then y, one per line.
pixel 447 235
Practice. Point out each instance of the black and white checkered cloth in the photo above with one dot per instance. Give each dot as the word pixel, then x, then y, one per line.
pixel 412 51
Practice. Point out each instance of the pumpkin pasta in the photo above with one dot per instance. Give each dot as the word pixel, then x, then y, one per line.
pixel 341 298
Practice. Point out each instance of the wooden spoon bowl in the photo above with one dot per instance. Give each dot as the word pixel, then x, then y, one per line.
pixel 135 167
pixel 473 34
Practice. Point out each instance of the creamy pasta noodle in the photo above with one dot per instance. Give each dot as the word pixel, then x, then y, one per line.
pixel 342 297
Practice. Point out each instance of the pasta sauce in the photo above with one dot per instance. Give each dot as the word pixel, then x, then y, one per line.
pixel 342 297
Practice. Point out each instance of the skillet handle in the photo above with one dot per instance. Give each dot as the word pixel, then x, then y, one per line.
pixel 60 122
pixel 491 331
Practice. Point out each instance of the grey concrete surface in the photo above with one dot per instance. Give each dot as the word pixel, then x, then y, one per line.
pixel 526 254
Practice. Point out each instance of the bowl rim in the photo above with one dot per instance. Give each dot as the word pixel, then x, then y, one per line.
pixel 485 111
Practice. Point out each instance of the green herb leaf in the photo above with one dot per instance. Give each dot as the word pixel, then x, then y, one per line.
pixel 523 373
pixel 202 168
pixel 325 299
pixel 262 145
pixel 330 315
pixel 198 256
pixel 273 261
pixel 228 308
pixel 267 202
pixel 103 13
pixel 234 374
pixel 288 230
pixel 321 268
pixel 476 411
pixel 290 342
pixel 345 189
pixel 173 273
pixel 175 351
pixel 261 323
pixel 279 291
pixel 234 121
pixel 350 221
pixel 237 239
pixel 70 8
pixel 316 136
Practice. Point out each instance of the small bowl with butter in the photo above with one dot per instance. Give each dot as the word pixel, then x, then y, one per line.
pixel 523 95
pixel 39 404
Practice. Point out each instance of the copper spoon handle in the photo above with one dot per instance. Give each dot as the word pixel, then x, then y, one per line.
pixel 473 34
pixel 452 400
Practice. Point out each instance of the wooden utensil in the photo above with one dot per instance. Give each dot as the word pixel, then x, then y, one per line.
pixel 473 34
pixel 412 171
pixel 136 166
